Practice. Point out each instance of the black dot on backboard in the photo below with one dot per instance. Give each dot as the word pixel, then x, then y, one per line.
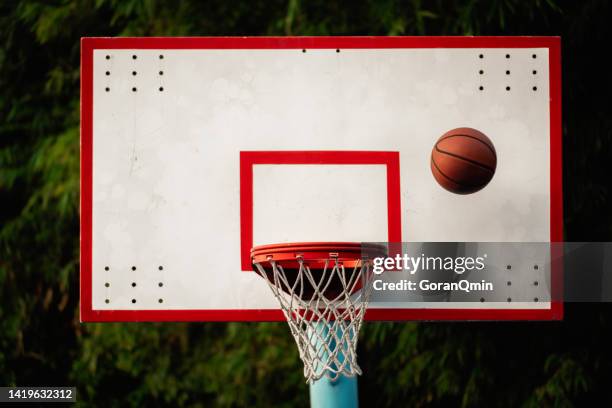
pixel 133 300
pixel 535 88
pixel 107 301
pixel 106 268
pixel 133 284
pixel 509 283
pixel 509 299
pixel 134 89
pixel 107 73
pixel 534 56
pixel 535 267
pixel 134 57
pixel 107 89
pixel 507 55
pixel 507 72
pixel 481 72
pixel 480 88
pixel 161 268
pixel 161 89
pixel 160 284
pixel 535 299
pixel 161 300
pixel 534 72
pixel 337 50
pixel 482 300
pixel 134 73
pixel 161 57
pixel 507 88
pixel 161 72
pixel 133 268
pixel 107 284
pixel 108 57
pixel 480 56
pixel 535 283
pixel 303 50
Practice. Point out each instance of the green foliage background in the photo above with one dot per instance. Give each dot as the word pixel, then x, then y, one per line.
pixel 406 364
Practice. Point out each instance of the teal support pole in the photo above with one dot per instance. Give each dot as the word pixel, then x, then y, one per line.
pixel 340 393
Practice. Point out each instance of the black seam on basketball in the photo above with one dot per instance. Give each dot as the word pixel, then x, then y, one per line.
pixel 479 186
pixel 490 147
pixel 475 163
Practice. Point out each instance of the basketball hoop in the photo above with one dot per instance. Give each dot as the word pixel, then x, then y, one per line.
pixel 323 290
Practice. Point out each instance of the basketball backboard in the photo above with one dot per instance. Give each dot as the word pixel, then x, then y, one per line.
pixel 194 150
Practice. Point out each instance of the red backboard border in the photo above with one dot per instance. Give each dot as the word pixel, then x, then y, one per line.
pixel 88 45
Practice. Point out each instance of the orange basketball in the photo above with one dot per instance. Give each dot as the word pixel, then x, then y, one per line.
pixel 463 160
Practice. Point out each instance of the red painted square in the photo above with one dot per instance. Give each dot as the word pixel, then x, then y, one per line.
pixel 250 159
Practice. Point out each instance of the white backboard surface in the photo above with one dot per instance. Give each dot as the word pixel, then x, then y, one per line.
pixel 196 149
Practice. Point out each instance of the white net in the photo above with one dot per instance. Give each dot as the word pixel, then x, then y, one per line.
pixel 324 309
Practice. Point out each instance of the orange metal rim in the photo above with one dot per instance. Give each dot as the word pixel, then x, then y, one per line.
pixel 316 252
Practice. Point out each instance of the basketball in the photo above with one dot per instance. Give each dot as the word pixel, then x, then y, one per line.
pixel 463 160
